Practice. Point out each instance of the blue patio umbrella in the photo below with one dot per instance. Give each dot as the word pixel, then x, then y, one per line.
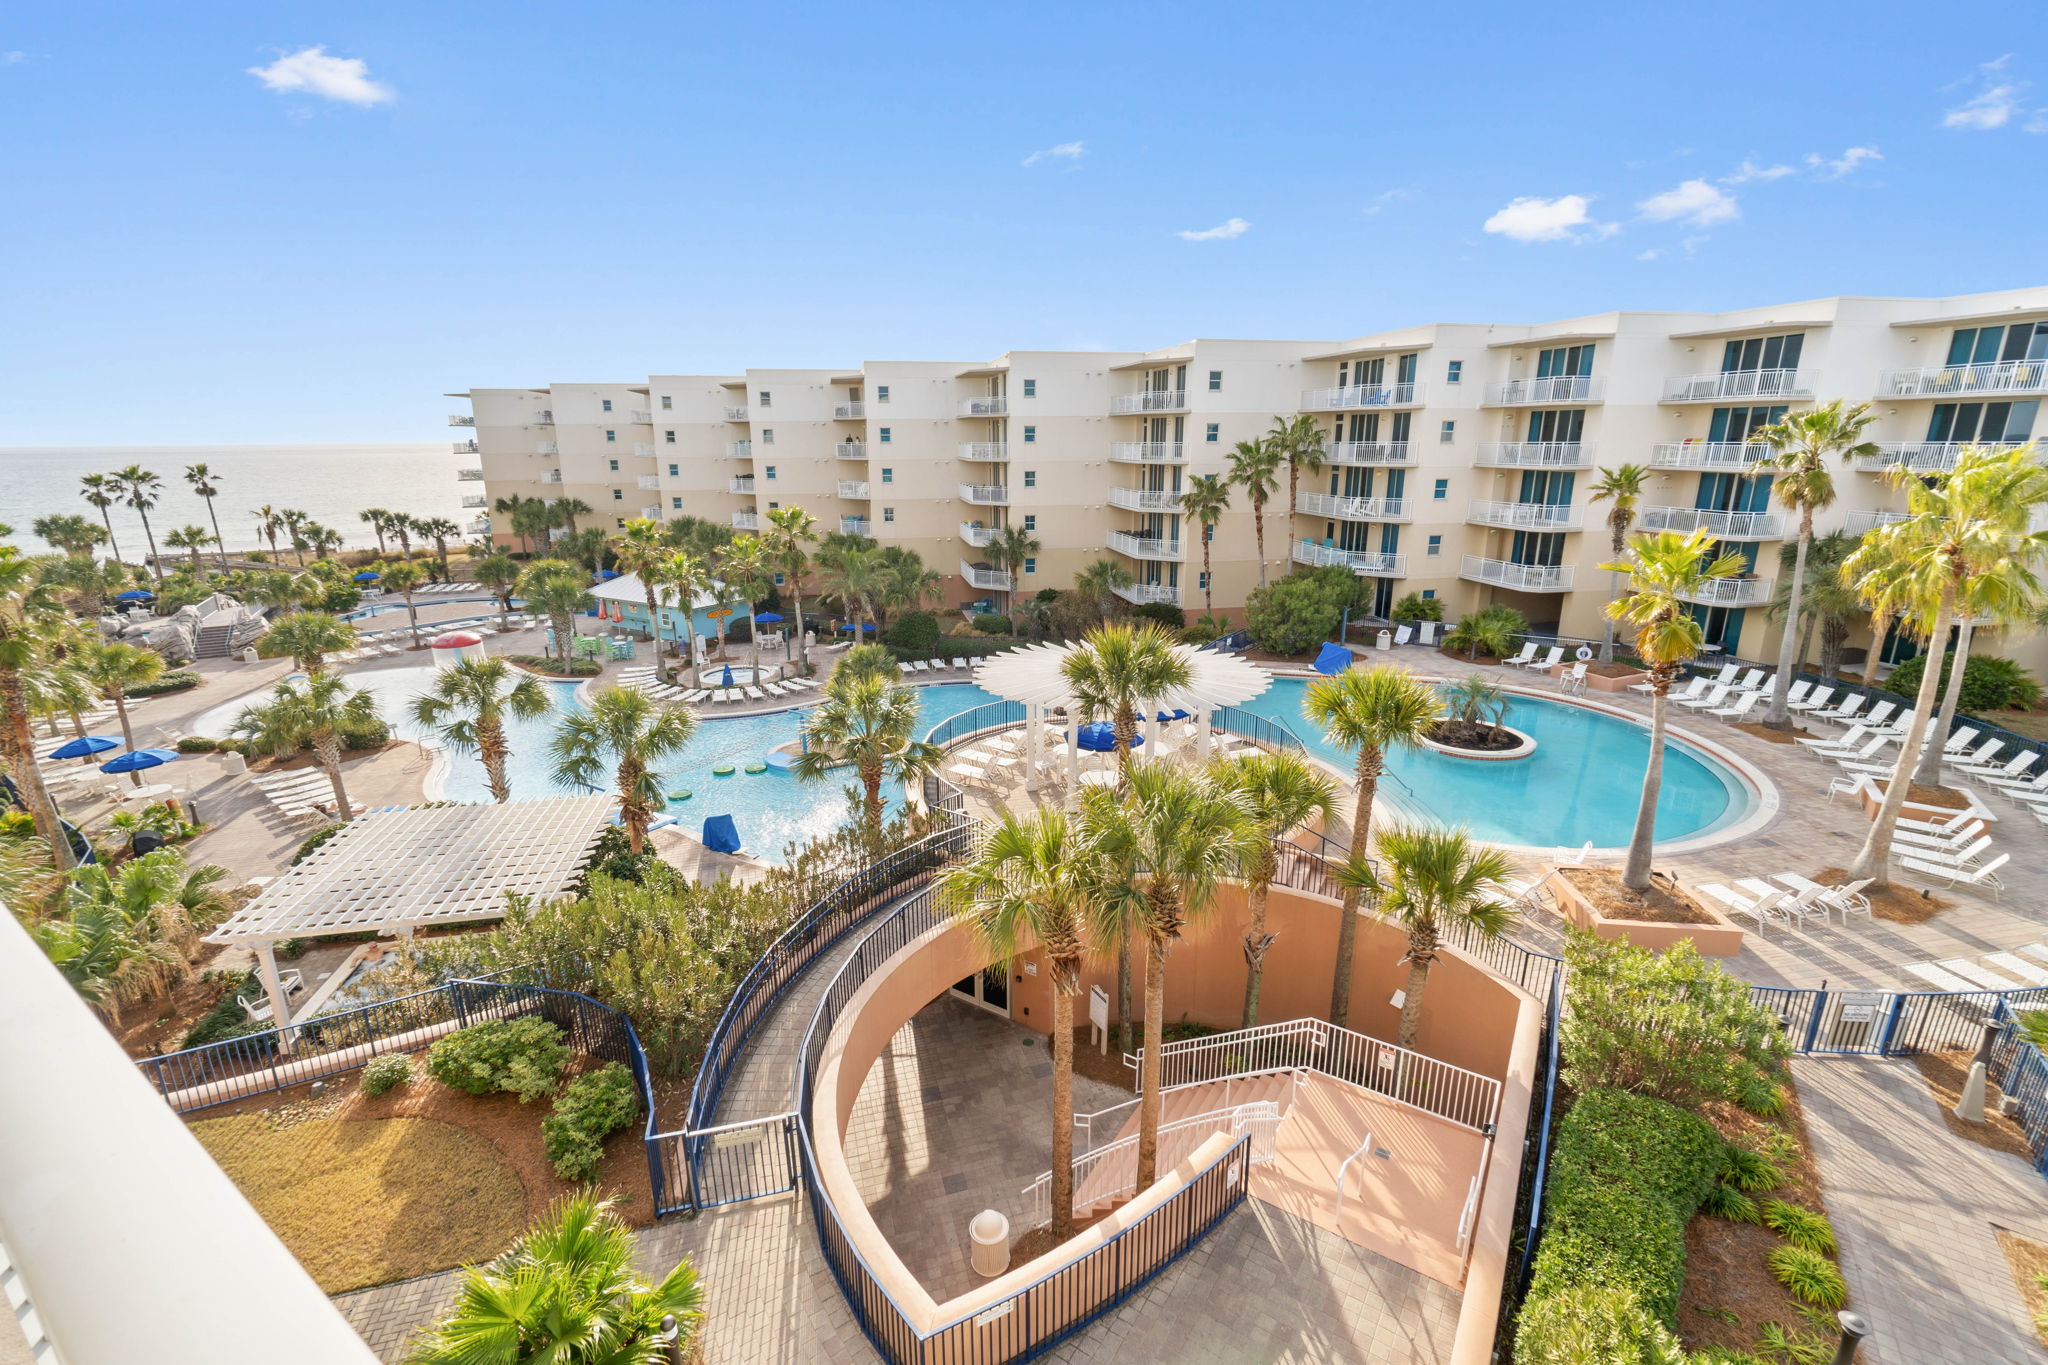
pixel 135 760
pixel 1333 658
pixel 134 595
pixel 867 626
pixel 720 836
pixel 767 618
pixel 606 575
pixel 368 576
pixel 1100 737
pixel 1176 714
pixel 85 746
pixel 725 678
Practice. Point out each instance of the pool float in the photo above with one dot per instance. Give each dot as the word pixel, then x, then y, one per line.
pixel 757 767
pixel 722 770
pixel 679 796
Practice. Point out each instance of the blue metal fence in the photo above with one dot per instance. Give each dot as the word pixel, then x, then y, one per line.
pixel 1257 728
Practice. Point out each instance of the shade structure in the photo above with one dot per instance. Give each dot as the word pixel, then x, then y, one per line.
pixel 720 835
pixel 1332 658
pixel 1100 737
pixel 368 576
pixel 133 595
pixel 394 870
pixel 1036 675
pixel 867 626
pixel 135 760
pixel 767 618
pixel 85 746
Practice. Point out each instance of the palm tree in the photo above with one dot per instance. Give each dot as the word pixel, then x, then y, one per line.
pixel 564 511
pixel 514 507
pixel 1163 847
pixel 294 523
pixel 1965 539
pixel 1205 500
pixel 191 539
pixel 559 591
pixel 1371 710
pixel 1435 879
pixel 790 529
pixel 500 573
pixel 208 488
pixel 632 733
pixel 870 723
pixel 1622 487
pixel 141 489
pixel 1828 605
pixel 74 535
pixel 440 530
pixel 1665 570
pixel 1281 792
pixel 114 667
pixel 376 518
pixel 1098 583
pixel 308 637
pixel 102 492
pixel 1253 466
pixel 1010 547
pixel 905 582
pixel 683 577
pixel 269 521
pixel 640 550
pixel 1801 443
pixel 856 576
pixel 588 545
pixel 744 566
pixel 404 578
pixel 319 713
pixel 1297 441
pixel 567 1293
pixel 1027 879
pixel 467 706
pixel 25 599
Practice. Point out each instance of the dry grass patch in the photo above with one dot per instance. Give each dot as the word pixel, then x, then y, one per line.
pixel 2028 1261
pixel 1895 904
pixel 1945 1073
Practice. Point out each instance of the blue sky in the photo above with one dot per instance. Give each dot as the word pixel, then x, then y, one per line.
pixel 287 222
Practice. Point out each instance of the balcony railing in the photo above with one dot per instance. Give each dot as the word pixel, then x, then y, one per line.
pixel 1862 522
pixel 980 576
pixel 465 447
pixel 735 414
pixel 1521 577
pixel 853 526
pixel 458 420
pixel 551 476
pixel 851 450
pixel 1367 453
pixel 1731 592
pixel 1406 395
pixel 1730 455
pixel 1942 381
pixel 639 416
pixel 1149 400
pixel 1707 388
pixel 475 500
pixel 1557 388
pixel 985 450
pixel 651 513
pixel 1367 563
pixel 976 534
pixel 1141 593
pixel 650 482
pixel 480 527
pixel 1524 516
pixel 849 412
pixel 1921 457
pixel 986 494
pixel 743 484
pixel 853 488
pixel 1148 452
pixel 644 449
pixel 1352 509
pixel 1145 499
pixel 469 475
pixel 746 521
pixel 740 450
pixel 987 405
pixel 544 418
pixel 546 448
pixel 1144 547
pixel 1727 525
pixel 1535 454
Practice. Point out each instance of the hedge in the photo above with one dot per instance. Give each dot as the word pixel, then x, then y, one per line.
pixel 590 1109
pixel 177 680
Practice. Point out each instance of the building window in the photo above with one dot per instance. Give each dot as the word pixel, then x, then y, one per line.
pixel 676 504
pixel 881 393
pixel 618 495
pixel 1454 373
pixel 888 514
pixel 778 580
pixel 1030 564
pixel 613 463
pixel 884 434
pixel 1202 582
pixel 611 435
pixel 1429 594
pixel 1215 381
pixel 669 436
pixel 767 436
pixel 1447 433
pixel 1030 436
pixel 764 398
pixel 1031 388
pixel 1212 433
pixel 888 474
pixel 1436 545
pixel 1031 478
pixel 619 522
pixel 607 404
pixel 675 471
pixel 668 403
pixel 1031 521
pixel 1443 490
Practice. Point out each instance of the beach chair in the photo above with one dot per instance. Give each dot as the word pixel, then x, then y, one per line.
pixel 753 693
pixel 1983 756
pixel 1947 842
pixel 1849 712
pixel 1964 736
pixel 1528 653
pixel 1795 692
pixel 1716 696
pixel 1966 856
pixel 1957 874
pixel 1812 701
pixel 2012 770
pixel 1948 826
pixel 1694 688
pixel 1741 708
pixel 694 695
pixel 1727 675
pixel 1550 660
pixel 921 665
pixel 1846 743
pixel 1753 681
pixel 906 669
pixel 1762 909
pixel 1878 717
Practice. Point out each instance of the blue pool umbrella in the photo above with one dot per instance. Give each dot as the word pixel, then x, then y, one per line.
pixel 767 618
pixel 720 836
pixel 368 576
pixel 1165 716
pixel 725 678
pixel 85 746
pixel 135 760
pixel 1100 737
pixel 133 595
pixel 607 575
pixel 1333 658
pixel 868 627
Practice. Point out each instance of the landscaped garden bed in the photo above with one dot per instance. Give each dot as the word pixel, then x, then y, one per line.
pixel 2028 1261
pixel 1594 899
pixel 1895 903
pixel 1945 1073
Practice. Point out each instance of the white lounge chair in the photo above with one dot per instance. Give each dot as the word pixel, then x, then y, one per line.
pixel 921 665
pixel 1958 875
pixel 1741 708
pixel 1878 717
pixel 694 695
pixel 1850 711
pixel 753 693
pixel 1967 856
pixel 1574 678
pixel 1692 689
pixel 1550 660
pixel 1962 739
pixel 1948 826
pixel 1763 909
pixel 1942 843
pixel 2012 770
pixel 1856 737
pixel 1753 681
pixel 1716 696
pixel 1528 653
pixel 1726 675
pixel 1812 701
pixel 906 669
pixel 1795 692
pixel 963 663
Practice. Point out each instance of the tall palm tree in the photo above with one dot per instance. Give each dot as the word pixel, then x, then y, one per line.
pixel 564 512
pixel 207 487
pixel 632 733
pixel 114 667
pixel 1971 524
pixel 376 518
pixel 1098 584
pixel 140 491
pixel 1828 607
pixel 906 582
pixel 1010 547
pixel 1622 489
pixel 744 566
pixel 102 492
pixel 1028 879
pixel 404 578
pixel 1434 879
pixel 790 529
pixel 499 573
pixel 74 535
pixel 467 706
pixel 1664 569
pixel 294 523
pixel 640 548
pixel 1163 847
pixel 557 590
pixel 1298 441
pixel 1371 710
pixel 1205 500
pixel 683 577
pixel 513 506
pixel 1253 467
pixel 566 1293
pixel 308 637
pixel 25 600
pixel 1801 444
pixel 402 526
pixel 1281 792
pixel 191 539
pixel 440 530
pixel 319 713
pixel 856 576
pixel 269 521
pixel 868 722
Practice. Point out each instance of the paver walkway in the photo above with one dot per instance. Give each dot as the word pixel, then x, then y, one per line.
pixel 1915 1209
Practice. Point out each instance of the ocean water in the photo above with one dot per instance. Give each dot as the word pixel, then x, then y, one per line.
pixel 332 484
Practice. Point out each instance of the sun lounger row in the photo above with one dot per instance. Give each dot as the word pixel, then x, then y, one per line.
pixel 303 792
pixel 1790 902
pixel 2026 965
pixel 916 666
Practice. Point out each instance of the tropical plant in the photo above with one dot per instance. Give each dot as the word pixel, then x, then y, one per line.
pixel 25 604
pixel 269 521
pixel 320 714
pixel 1990 683
pixel 401 525
pixel 855 575
pixel 1415 607
pixel 1298 443
pixel 1371 710
pixel 467 705
pixel 140 490
pixel 1281 791
pixel 745 568
pixel 641 548
pixel 1253 466
pixel 440 530
pixel 585 545
pixel 790 529
pixel 1622 488
pixel 905 582
pixel 191 539
pixel 1011 547
pixel 206 487
pixel 1474 708
pixel 378 520
pixel 523 1056
pixel 74 535
pixel 405 577
pixel 564 512
pixel 500 574
pixel 113 667
pixel 1098 583
pixel 520 513
pixel 1829 605
pixel 1665 570
pixel 559 591
pixel 869 722
pixel 684 577
pixel 308 637
pixel 1204 501
pixel 127 933
pixel 871 659
pixel 1809 1276
pixel 1122 672
pixel 1802 1227
pixel 632 733
pixel 1295 613
pixel 1491 630
pixel 590 1108
pixel 102 492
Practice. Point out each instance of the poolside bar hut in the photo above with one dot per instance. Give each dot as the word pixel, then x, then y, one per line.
pixel 394 871
pixel 1036 676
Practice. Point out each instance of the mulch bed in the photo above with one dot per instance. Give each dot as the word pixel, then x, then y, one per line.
pixel 2028 1261
pixel 1108 1068
pixel 1895 904
pixel 1945 1073
pixel 1943 797
pixel 1665 903
pixel 1035 1242
pixel 1769 735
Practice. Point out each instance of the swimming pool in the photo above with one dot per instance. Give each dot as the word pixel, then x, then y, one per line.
pixel 1582 783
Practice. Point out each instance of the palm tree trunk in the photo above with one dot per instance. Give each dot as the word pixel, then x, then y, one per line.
pixel 156 570
pixel 1208 579
pixel 220 547
pixel 1256 942
pixel 1421 957
pixel 1619 543
pixel 120 700
pixel 796 594
pixel 1928 770
pixel 1259 533
pixel 871 803
pixel 1370 765
pixel 1063 1101
pixel 327 748
pixel 412 617
pixel 493 751
pixel 20 754
pixel 1123 996
pixel 1155 1023
pixel 661 673
pixel 754 640
pixel 113 545
pixel 1873 860
pixel 1776 716
pixel 632 805
pixel 1635 874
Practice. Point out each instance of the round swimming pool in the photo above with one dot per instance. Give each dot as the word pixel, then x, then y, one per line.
pixel 1582 784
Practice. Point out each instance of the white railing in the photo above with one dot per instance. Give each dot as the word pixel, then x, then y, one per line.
pixel 1352 509
pixel 1147 452
pixel 1144 547
pixel 551 476
pixel 988 405
pixel 980 576
pixel 457 420
pixel 735 414
pixel 1138 594
pixel 985 450
pixel 1149 400
pixel 1401 1074
pixel 746 521
pixel 1371 563
pixel 1465 1214
pixel 741 450
pixel 650 482
pixel 547 448
pixel 644 448
pixel 1367 453
pixel 1344 1174
pixel 1705 388
pixel 851 450
pixel 638 416
pixel 742 484
pixel 1109 1174
pixel 987 494
pixel 470 475
pixel 1922 457
pixel 975 535
pixel 472 501
pixel 480 527
pixel 1090 1130
pixel 853 488
pixel 1732 592
pixel 465 447
pixel 1524 577
pixel 1145 499
pixel 1362 396
pixel 849 412
pixel 1860 522
pixel 1557 388
pixel 544 418
pixel 1940 381
pixel 1524 516
pixel 853 526
pixel 1731 455
pixel 1535 454
pixel 1729 525
pixel 651 513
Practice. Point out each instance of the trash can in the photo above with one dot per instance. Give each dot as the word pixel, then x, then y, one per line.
pixel 233 763
pixel 989 1231
pixel 1386 639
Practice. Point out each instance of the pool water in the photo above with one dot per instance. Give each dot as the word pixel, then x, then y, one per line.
pixel 1582 783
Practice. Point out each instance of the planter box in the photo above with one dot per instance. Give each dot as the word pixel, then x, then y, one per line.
pixel 1872 797
pixel 1722 938
pixel 1596 683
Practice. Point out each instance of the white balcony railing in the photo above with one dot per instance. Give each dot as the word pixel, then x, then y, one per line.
pixel 546 448
pixel 985 450
pixel 1524 516
pixel 472 501
pixel 1727 525
pixel 1921 457
pixel 1145 499
pixel 644 449
pixel 469 475
pixel 1368 563
pixel 1141 593
pixel 1144 547
pixel 981 576
pixel 1149 400
pixel 1352 509
pixel 1367 453
pixel 1362 396
pixel 480 527
pixel 851 450
pixel 1148 452
pixel 1557 388
pixel 744 484
pixel 1535 454
pixel 1707 388
pixel 853 526
pixel 986 494
pixel 977 535
pixel 650 482
pixel 465 447
pixel 853 488
pixel 735 414
pixel 1942 381
pixel 638 416
pixel 551 476
pixel 740 450
pixel 1732 592
pixel 651 513
pixel 987 405
pixel 746 521
pixel 1521 577
pixel 458 420
pixel 1859 523
pixel 544 418
pixel 849 412
pixel 1729 455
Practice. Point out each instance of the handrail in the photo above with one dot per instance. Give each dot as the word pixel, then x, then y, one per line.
pixel 1465 1214
pixel 1345 1170
pixel 1084 1164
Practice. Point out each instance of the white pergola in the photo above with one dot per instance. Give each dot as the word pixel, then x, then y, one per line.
pixel 1036 676
pixel 394 871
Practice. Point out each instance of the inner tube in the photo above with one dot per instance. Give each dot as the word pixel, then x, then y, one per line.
pixel 722 770
pixel 757 767
pixel 679 796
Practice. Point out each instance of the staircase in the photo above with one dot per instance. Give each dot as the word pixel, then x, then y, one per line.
pixel 212 641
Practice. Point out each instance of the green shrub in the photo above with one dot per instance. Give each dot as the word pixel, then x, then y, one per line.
pixel 1592 1326
pixel 1492 631
pixel 342 596
pixel 1811 1277
pixel 1747 1170
pixel 1760 1095
pixel 591 1108
pixel 523 1057
pixel 1298 612
pixel 915 630
pixel 227 1019
pixel 1990 683
pixel 1416 607
pixel 992 623
pixel 197 744
pixel 369 737
pixel 1725 1201
pixel 559 668
pixel 1200 633
pixel 177 680
pixel 313 842
pixel 1802 1227
pixel 1165 613
pixel 291 949
pixel 386 1073
pixel 2034 1024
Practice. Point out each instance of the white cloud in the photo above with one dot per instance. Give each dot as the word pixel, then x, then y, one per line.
pixel 1384 198
pixel 1563 219
pixel 12 58
pixel 1222 232
pixel 2038 123
pixel 1749 170
pixel 1652 254
pixel 1695 202
pixel 1847 162
pixel 1993 106
pixel 313 72
pixel 1066 151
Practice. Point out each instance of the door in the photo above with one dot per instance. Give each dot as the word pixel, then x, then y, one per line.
pixel 988 988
